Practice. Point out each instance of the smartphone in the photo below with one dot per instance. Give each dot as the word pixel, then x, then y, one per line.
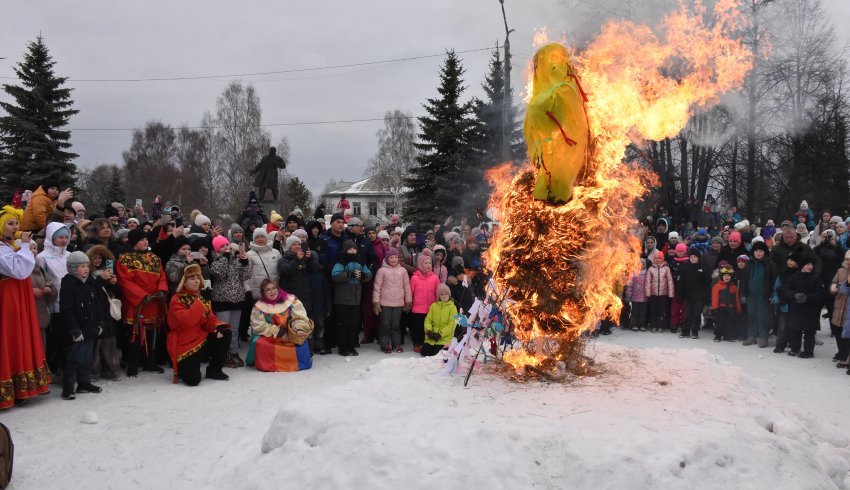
pixel 243 247
pixel 139 202
pixel 110 264
pixel 197 255
pixel 219 223
pixel 178 222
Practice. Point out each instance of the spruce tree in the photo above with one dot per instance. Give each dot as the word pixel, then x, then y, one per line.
pixel 446 145
pixel 115 191
pixel 34 143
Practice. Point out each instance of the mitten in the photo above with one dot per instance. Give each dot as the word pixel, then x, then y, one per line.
pixel 77 336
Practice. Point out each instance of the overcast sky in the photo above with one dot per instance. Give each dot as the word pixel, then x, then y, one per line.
pixel 167 38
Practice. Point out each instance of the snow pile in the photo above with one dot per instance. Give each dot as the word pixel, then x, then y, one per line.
pixel 658 418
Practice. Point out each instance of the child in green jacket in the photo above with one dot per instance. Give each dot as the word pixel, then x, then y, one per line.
pixel 439 323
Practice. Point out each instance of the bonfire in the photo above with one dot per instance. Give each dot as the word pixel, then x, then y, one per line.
pixel 567 243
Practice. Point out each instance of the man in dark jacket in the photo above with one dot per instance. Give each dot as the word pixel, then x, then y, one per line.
pixel 757 282
pixel 81 309
pixel 804 293
pixel 831 257
pixel 330 249
pixel 791 242
pixel 693 281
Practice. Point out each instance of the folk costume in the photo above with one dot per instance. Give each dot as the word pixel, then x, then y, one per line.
pixel 193 328
pixel 281 328
pixel 23 365
pixel 141 276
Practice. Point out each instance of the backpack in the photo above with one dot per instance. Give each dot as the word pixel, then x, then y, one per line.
pixel 7 456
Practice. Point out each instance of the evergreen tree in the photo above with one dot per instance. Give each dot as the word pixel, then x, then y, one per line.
pixel 295 194
pixel 446 144
pixel 35 145
pixel 115 190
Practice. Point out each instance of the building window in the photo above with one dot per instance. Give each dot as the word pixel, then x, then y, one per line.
pixel 373 209
pixel 390 210
pixel 355 208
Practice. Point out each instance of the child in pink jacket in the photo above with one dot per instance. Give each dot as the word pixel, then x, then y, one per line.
pixel 423 285
pixel 659 291
pixel 390 295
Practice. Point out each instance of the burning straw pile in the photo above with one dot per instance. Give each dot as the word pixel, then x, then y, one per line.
pixel 566 244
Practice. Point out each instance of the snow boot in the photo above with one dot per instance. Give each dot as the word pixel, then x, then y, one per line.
pixel 793 354
pixel 89 388
pixel 217 375
pixel 68 396
pixel 805 355
pixel 749 341
pixel 762 342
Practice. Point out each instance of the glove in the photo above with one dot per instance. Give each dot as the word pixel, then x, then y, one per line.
pixel 800 297
pixel 434 336
pixel 221 328
pixel 77 336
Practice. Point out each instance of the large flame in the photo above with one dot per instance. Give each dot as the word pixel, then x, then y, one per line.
pixel 564 265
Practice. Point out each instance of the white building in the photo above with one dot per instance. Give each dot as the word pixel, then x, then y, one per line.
pixel 367 197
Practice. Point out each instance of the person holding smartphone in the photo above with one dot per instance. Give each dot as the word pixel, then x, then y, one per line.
pixel 105 361
pixel 181 258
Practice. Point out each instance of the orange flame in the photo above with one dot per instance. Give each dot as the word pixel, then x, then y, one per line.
pixel 564 265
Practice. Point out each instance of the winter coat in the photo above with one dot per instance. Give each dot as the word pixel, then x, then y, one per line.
pixel 710 260
pixel 262 264
pixel 810 284
pixel 440 319
pixel 330 248
pixel 676 264
pixel 694 281
pixel 724 296
pixel 392 286
pixel 41 278
pixel 296 276
pixel 365 253
pixel 831 259
pixel 190 321
pixel 730 254
pixel 767 233
pixel 380 248
pixel 839 312
pixel 423 288
pixel 40 209
pixel 174 272
pixel 408 258
pixel 758 277
pixel 805 216
pixel 228 278
pixel 636 290
pixel 779 255
pixel 659 281
pixel 348 289
pixel 54 260
pixel 81 308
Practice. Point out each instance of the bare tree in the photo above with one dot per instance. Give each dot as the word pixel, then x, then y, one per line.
pixel 396 153
pixel 151 163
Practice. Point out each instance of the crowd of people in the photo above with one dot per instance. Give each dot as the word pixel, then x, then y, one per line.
pixel 88 296
pixel 743 281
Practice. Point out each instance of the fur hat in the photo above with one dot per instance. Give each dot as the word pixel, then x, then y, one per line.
pixel 292 240
pixel 99 250
pixel 443 289
pixel 219 242
pixel 135 236
pixel 189 271
pixel 760 245
pixel 201 220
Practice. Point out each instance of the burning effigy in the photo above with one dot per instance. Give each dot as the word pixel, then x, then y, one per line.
pixel 566 242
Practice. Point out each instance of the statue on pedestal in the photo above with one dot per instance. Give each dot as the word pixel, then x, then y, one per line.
pixel 266 173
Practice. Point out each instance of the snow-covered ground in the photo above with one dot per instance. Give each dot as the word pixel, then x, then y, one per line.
pixel 668 413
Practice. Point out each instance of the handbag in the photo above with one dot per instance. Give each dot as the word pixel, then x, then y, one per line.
pixel 114 306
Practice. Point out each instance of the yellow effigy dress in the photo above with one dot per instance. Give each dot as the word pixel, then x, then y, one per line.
pixel 556 125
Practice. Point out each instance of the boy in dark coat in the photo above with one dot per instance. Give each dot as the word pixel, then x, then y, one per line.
pixel 81 310
pixel 805 295
pixel 694 281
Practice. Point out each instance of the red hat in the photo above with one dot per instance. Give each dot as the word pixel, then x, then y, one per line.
pixel 735 236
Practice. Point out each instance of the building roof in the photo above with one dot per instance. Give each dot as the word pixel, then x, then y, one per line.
pixel 370 186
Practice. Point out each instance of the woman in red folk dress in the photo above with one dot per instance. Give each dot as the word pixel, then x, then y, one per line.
pixel 23 365
pixel 193 328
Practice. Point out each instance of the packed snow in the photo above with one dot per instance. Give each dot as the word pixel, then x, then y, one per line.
pixel 664 413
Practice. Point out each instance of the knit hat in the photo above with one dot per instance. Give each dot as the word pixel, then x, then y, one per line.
pixel 260 232
pixel 681 247
pixel 370 229
pixel 457 260
pixel 383 235
pixel 300 233
pixel 75 259
pixel 693 251
pixel 398 230
pixel 135 236
pixel 443 289
pixel 742 225
pixel 201 220
pixel 717 239
pixel 735 236
pixel 117 205
pixel 673 235
pixel 189 271
pixel 292 240
pixel 769 223
pixel 122 233
pixel 743 258
pixel 219 242
pixel 355 222
pixel 110 212
pixel 133 220
pixel 78 206
pixel 297 212
pixel 235 228
pixel 702 231
pixel 337 216
pixel 275 217
pixel 801 229
pixel 797 256
pixel 420 260
pixel 198 241
pixel 393 251
pixel 348 244
pixel 658 255
pixel 727 270
pixel 180 242
pixel 835 220
pixel 760 245
pixel 804 205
